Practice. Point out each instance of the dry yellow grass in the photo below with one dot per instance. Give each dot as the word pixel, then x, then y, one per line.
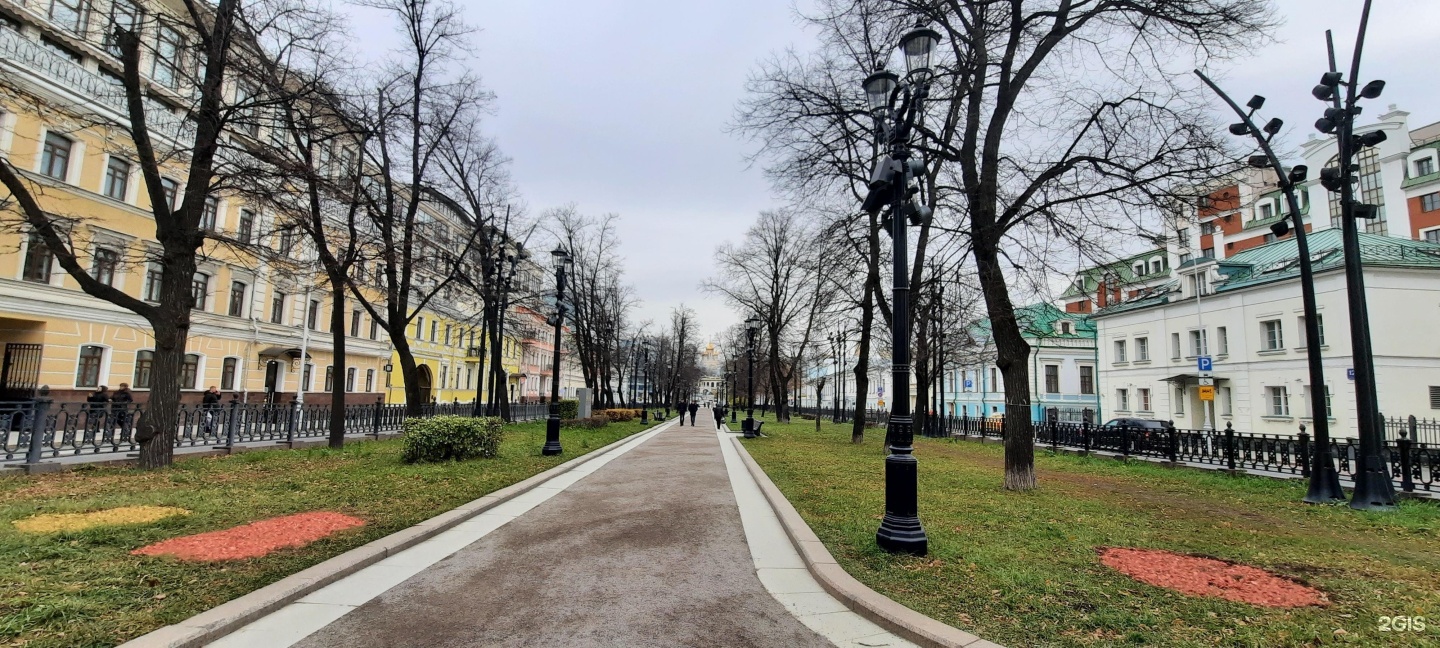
pixel 56 522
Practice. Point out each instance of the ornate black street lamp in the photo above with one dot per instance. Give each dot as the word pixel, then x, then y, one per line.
pixel 897 105
pixel 752 326
pixel 562 261
pixel 1324 481
pixel 734 375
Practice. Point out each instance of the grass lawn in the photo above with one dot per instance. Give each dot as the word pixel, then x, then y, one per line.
pixel 1021 569
pixel 85 589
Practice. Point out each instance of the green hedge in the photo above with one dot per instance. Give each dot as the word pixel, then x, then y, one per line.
pixel 569 409
pixel 444 438
pixel 592 423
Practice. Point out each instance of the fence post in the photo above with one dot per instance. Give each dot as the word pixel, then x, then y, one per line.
pixel 1304 452
pixel 1407 483
pixel 375 419
pixel 1230 445
pixel 39 423
pixel 290 421
pixel 1125 440
pixel 1173 441
pixel 230 424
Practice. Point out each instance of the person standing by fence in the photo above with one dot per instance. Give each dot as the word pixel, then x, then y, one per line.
pixel 95 409
pixel 210 403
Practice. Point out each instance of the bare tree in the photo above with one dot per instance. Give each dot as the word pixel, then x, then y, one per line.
pixel 211 47
pixel 601 301
pixel 426 102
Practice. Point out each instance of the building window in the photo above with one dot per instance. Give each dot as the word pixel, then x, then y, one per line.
pixel 287 242
pixel 350 379
pixel 200 289
pixel 1120 351
pixel 994 379
pixel 1266 210
pixel 210 214
pixel 1424 167
pixel 55 156
pixel 1222 339
pixel 1122 400
pixel 307 379
pixel 1223 398
pixel 1139 268
pixel 165 68
pixel 227 373
pixel 106 260
pixel 124 15
pixel 1199 344
pixel 1207 228
pixel 189 371
pixel 355 323
pixel 1175 350
pixel 171 189
pixel 1207 253
pixel 1433 236
pixel 277 308
pixel 447 335
pixel 1308 405
pixel 1371 191
pixel 312 315
pixel 1087 380
pixel 1156 265
pixel 1430 202
pixel 1319 329
pixel 1142 398
pixel 1278 401
pixel 237 299
pixel 153 278
pixel 434 330
pixel 1182 236
pixel 1273 334
pixel 143 361
pixel 70 14
pixel 87 371
pixel 1180 401
pixel 374 330
pixel 1052 379
pixel 1142 348
pixel 444 377
pixel 420 328
pixel 246 231
pixel 330 378
pixel 37 260
pixel 117 178
pixel 369 380
pixel 1434 397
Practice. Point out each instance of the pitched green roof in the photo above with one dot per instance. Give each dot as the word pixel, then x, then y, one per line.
pixel 1123 268
pixel 1039 320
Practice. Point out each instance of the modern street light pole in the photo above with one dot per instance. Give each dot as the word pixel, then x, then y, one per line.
pixel 562 260
pixel 1373 490
pixel 1324 480
pixel 752 326
pixel 900 531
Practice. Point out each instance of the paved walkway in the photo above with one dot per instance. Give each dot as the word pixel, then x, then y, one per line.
pixel 665 541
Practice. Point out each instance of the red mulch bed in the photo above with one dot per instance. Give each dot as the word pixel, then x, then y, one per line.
pixel 255 539
pixel 1209 577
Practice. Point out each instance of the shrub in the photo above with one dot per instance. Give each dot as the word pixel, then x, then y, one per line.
pixel 444 438
pixel 620 415
pixel 592 423
pixel 569 409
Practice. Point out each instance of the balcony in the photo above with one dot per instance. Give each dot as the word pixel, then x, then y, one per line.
pixel 32 57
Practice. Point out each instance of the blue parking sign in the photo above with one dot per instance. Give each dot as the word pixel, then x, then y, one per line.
pixel 1350 373
pixel 1205 363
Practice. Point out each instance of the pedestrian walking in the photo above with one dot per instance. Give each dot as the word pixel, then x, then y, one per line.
pixel 693 407
pixel 719 411
pixel 120 403
pixel 210 404
pixel 96 405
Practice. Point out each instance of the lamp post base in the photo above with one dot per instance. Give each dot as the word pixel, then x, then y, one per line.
pixel 1324 483
pixel 900 530
pixel 748 426
pixel 552 437
pixel 1373 490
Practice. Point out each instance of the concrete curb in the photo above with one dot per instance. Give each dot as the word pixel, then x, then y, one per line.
pixel 864 601
pixel 232 615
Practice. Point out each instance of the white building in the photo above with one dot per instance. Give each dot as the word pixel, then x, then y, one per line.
pixel 1248 317
pixel 1062 368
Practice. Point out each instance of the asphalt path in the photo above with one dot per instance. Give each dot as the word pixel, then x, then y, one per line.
pixel 646 551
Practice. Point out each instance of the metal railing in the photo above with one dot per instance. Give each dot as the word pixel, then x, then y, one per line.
pixel 38 430
pixel 1412 465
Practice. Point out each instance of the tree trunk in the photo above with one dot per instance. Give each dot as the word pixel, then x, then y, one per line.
pixel 1012 355
pixel 337 386
pixel 410 373
pixel 160 422
pixel 921 368
pixel 862 360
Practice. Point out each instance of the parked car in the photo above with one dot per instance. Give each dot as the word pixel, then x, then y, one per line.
pixel 1141 430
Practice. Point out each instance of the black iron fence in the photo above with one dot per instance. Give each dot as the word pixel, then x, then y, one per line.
pixel 38 430
pixel 1419 430
pixel 1413 465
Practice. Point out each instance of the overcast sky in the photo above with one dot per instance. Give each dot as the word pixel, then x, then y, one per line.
pixel 621 106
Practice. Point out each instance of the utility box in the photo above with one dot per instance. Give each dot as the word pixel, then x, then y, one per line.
pixel 585 396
